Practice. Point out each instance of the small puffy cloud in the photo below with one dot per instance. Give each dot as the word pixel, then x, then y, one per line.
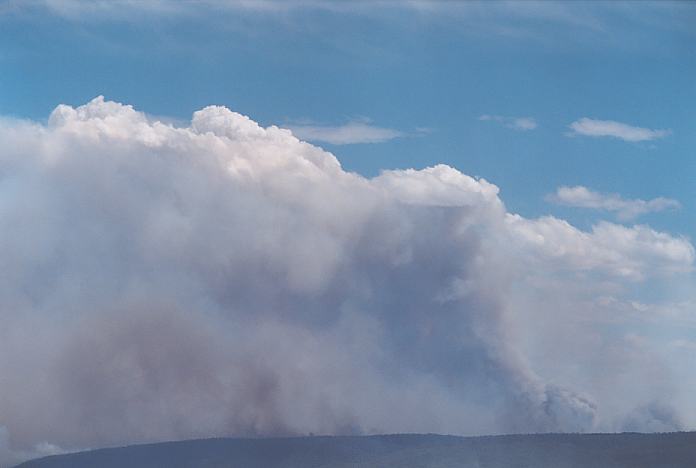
pixel 625 209
pixel 358 131
pixel 516 123
pixel 611 128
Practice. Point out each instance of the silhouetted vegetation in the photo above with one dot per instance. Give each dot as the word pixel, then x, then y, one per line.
pixel 628 450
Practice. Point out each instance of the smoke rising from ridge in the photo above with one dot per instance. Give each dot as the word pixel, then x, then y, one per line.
pixel 227 279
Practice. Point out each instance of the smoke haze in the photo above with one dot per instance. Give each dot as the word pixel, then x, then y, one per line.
pixel 224 279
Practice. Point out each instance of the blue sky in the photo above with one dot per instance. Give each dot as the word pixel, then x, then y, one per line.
pixel 428 71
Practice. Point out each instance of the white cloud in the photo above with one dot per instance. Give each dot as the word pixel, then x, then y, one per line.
pixel 629 252
pixel 350 133
pixel 222 278
pixel 611 128
pixel 516 123
pixel 440 185
pixel 625 209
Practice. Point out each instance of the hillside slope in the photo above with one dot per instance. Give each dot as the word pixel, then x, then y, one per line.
pixel 629 450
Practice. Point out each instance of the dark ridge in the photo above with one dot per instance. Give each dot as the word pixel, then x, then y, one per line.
pixel 626 450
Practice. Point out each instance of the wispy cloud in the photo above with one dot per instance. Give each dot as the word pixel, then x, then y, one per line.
pixel 611 128
pixel 591 16
pixel 553 23
pixel 355 131
pixel 625 209
pixel 516 123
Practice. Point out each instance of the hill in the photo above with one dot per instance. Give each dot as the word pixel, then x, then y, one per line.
pixel 627 450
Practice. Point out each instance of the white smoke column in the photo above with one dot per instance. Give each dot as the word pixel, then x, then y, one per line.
pixel 227 279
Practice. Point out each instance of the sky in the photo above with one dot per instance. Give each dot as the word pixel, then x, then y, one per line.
pixel 485 205
pixel 426 72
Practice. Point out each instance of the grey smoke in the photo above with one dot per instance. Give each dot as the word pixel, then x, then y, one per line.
pixel 654 417
pixel 225 279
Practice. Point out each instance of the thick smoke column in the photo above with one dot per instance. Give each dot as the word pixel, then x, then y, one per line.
pixel 227 279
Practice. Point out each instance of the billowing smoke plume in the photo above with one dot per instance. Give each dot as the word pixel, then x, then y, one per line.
pixel 227 279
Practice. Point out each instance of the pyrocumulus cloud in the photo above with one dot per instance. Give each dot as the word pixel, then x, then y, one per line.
pixel 162 282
